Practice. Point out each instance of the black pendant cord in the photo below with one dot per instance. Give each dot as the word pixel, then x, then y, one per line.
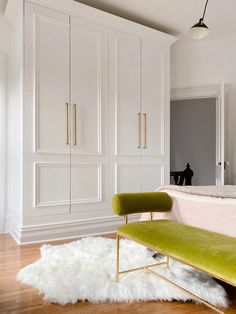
pixel 204 10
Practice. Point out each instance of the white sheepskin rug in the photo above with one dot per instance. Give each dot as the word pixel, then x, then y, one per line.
pixel 85 270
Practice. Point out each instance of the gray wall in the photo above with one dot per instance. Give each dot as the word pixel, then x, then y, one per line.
pixel 193 138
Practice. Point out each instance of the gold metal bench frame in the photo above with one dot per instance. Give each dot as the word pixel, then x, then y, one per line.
pixel 147 268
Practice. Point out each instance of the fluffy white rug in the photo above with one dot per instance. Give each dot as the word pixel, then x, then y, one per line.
pixel 85 270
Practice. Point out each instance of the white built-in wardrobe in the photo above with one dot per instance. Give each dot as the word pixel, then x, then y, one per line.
pixel 94 117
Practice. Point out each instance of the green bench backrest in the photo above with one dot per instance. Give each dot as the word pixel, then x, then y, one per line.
pixel 132 203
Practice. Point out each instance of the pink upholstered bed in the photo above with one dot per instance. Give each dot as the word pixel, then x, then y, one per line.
pixel 212 208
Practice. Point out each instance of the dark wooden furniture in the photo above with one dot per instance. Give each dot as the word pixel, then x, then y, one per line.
pixel 183 177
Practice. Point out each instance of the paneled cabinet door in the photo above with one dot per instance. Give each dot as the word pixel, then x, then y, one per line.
pixel 155 115
pixel 46 111
pixel 51 68
pixel 125 111
pixel 152 176
pixel 153 99
pixel 89 115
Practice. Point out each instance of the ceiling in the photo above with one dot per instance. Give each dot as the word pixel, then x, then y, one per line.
pixel 175 16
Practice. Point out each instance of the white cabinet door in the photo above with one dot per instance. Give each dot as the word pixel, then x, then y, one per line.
pixel 51 68
pixel 155 115
pixel 152 176
pixel 89 115
pixel 46 119
pixel 125 92
pixel 153 99
pixel 88 50
pixel 125 112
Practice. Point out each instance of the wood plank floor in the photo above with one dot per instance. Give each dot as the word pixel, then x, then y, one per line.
pixel 19 298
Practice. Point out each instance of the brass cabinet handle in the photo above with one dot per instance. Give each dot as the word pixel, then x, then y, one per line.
pixel 75 125
pixel 67 123
pixel 145 130
pixel 139 130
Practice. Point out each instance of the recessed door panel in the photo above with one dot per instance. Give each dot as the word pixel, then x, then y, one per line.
pixel 51 46
pixel 152 177
pixel 127 178
pixel 86 182
pixel 88 186
pixel 51 184
pixel 125 80
pixel 152 100
pixel 88 42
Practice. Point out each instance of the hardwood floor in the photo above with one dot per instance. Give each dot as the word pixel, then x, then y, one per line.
pixel 19 298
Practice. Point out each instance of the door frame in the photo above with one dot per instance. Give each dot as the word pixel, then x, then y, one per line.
pixel 3 134
pixel 209 91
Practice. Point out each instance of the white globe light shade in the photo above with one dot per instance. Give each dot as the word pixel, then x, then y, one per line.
pixel 199 30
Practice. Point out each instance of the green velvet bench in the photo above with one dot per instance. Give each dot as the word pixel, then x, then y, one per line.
pixel 207 251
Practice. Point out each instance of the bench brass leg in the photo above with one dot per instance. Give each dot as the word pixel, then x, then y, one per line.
pixel 118 272
pixel 117 256
pixel 193 296
pixel 168 262
pixel 147 268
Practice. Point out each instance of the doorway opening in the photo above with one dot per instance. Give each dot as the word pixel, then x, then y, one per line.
pixel 197 133
pixel 193 138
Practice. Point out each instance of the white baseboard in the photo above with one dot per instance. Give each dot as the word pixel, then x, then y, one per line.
pixel 7 223
pixel 14 230
pixel 66 230
pixel 2 225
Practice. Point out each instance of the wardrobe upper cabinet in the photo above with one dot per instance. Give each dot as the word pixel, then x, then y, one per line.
pixel 47 33
pixel 138 91
pixel 153 98
pixel 124 112
pixel 155 115
pixel 89 53
pixel 125 92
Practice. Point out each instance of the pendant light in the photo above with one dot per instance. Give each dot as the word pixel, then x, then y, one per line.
pixel 199 30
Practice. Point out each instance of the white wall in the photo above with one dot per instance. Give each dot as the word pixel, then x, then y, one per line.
pixel 14 163
pixel 207 63
pixel 5 34
pixel 5 44
pixel 3 98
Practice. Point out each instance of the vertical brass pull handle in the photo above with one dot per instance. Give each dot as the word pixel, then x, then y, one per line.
pixel 145 130
pixel 139 130
pixel 67 123
pixel 75 126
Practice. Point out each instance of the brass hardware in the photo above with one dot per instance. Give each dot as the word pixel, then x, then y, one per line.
pixel 75 126
pixel 139 130
pixel 142 267
pixel 187 292
pixel 117 256
pixel 67 123
pixel 118 272
pixel 167 263
pixel 145 130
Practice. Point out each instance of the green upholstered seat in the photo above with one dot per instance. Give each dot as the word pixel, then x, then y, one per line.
pixel 211 252
pixel 131 203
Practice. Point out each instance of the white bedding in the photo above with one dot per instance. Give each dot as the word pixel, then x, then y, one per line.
pixel 208 212
pixel 220 191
